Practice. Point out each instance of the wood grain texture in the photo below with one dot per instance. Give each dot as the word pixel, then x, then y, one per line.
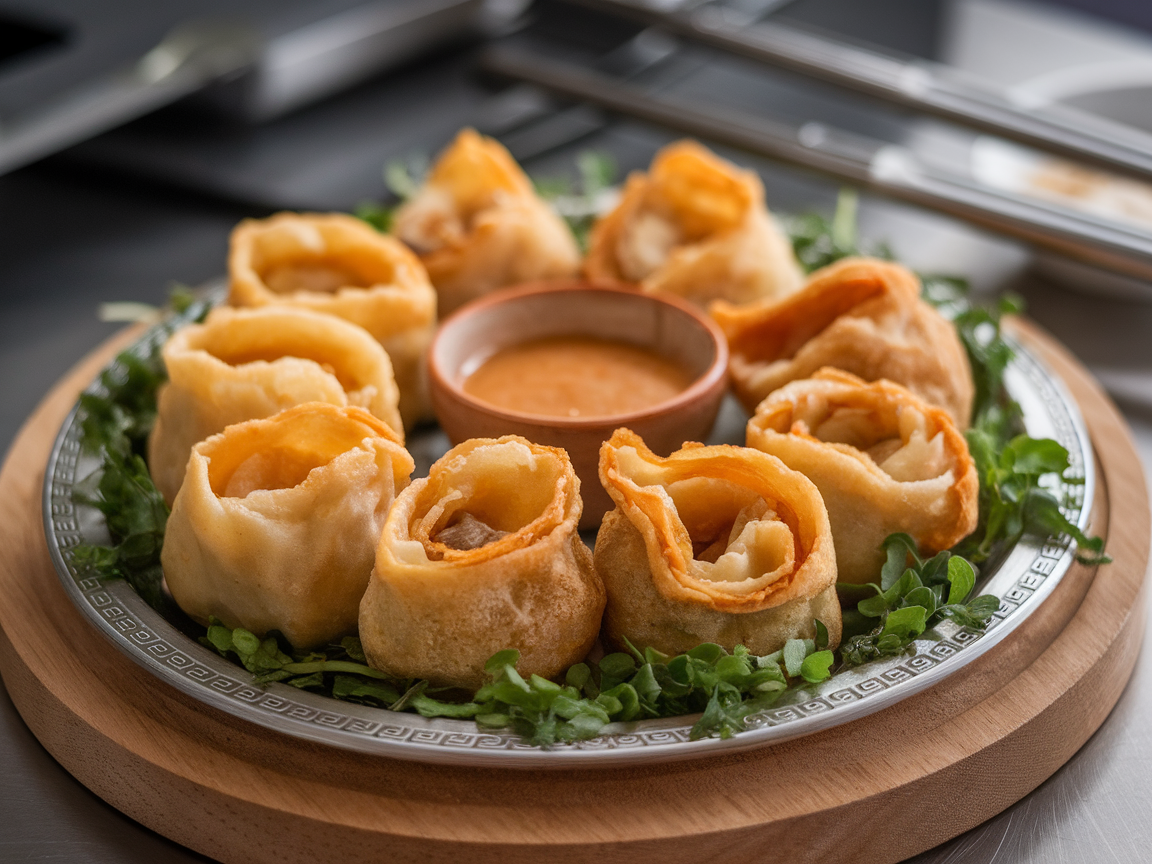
pixel 877 790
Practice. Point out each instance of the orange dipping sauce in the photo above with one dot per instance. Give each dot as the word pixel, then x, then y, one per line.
pixel 576 376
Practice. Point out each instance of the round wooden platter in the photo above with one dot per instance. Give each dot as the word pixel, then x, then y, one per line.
pixel 879 789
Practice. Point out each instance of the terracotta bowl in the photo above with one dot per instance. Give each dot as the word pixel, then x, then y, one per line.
pixel 672 328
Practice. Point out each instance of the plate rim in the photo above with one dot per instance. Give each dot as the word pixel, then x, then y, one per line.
pixel 112 605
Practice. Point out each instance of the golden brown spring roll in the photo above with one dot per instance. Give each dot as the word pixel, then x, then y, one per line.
pixel 337 264
pixel 244 364
pixel 478 224
pixel 481 556
pixel 696 226
pixel 862 315
pixel 276 523
pixel 884 461
pixel 712 544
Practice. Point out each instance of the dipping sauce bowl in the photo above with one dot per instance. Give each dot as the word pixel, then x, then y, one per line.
pixel 668 327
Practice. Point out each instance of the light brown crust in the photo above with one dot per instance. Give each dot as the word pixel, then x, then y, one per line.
pixel 862 315
pixel 478 224
pixel 335 263
pixel 437 612
pixel 275 525
pixel 659 593
pixel 726 245
pixel 865 502
pixel 244 364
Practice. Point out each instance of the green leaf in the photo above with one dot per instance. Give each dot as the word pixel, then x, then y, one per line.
pixel 352 689
pixel 962 579
pixel 579 675
pixel 923 597
pixel 377 215
pixel 597 170
pixel 906 623
pixel 618 666
pixel 426 706
pixel 844 219
pixel 709 652
pixel 353 649
pixel 898 548
pixel 497 662
pixel 404 177
pixel 821 634
pixel 794 653
pixel 816 666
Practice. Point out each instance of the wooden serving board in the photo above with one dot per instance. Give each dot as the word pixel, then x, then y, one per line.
pixel 879 789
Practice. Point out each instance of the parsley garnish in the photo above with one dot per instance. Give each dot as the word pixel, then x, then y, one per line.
pixel 115 419
pixel 724 688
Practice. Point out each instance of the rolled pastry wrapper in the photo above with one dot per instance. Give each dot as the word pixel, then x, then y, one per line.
pixel 862 315
pixel 481 556
pixel 712 544
pixel 883 459
pixel 478 224
pixel 244 364
pixel 696 226
pixel 337 264
pixel 276 524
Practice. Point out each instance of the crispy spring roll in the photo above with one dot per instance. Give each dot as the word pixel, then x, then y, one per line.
pixel 696 226
pixel 478 224
pixel 481 556
pixel 712 544
pixel 884 460
pixel 244 364
pixel 337 264
pixel 862 315
pixel 276 524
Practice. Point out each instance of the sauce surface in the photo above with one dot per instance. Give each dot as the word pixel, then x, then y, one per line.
pixel 576 376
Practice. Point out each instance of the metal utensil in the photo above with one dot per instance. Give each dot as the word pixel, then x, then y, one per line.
pixel 888 168
pixel 932 88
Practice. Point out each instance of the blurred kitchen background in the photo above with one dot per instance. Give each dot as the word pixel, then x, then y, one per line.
pixel 1006 142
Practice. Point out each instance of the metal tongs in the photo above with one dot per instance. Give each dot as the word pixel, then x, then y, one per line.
pixel 927 87
pixel 890 169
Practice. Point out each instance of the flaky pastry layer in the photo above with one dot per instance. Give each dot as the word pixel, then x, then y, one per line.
pixel 862 315
pixel 335 263
pixel 696 226
pixel 478 224
pixel 884 460
pixel 276 524
pixel 481 556
pixel 712 544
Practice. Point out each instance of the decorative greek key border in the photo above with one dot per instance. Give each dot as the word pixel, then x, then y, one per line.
pixel 143 635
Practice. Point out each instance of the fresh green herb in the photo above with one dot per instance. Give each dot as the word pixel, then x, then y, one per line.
pixel 819 241
pixel 136 515
pixel 1013 500
pixel 403 178
pixel 1010 464
pixel 377 215
pixel 724 688
pixel 581 202
pixel 913 595
pixel 116 418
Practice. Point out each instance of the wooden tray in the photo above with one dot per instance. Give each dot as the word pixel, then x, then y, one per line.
pixel 879 789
